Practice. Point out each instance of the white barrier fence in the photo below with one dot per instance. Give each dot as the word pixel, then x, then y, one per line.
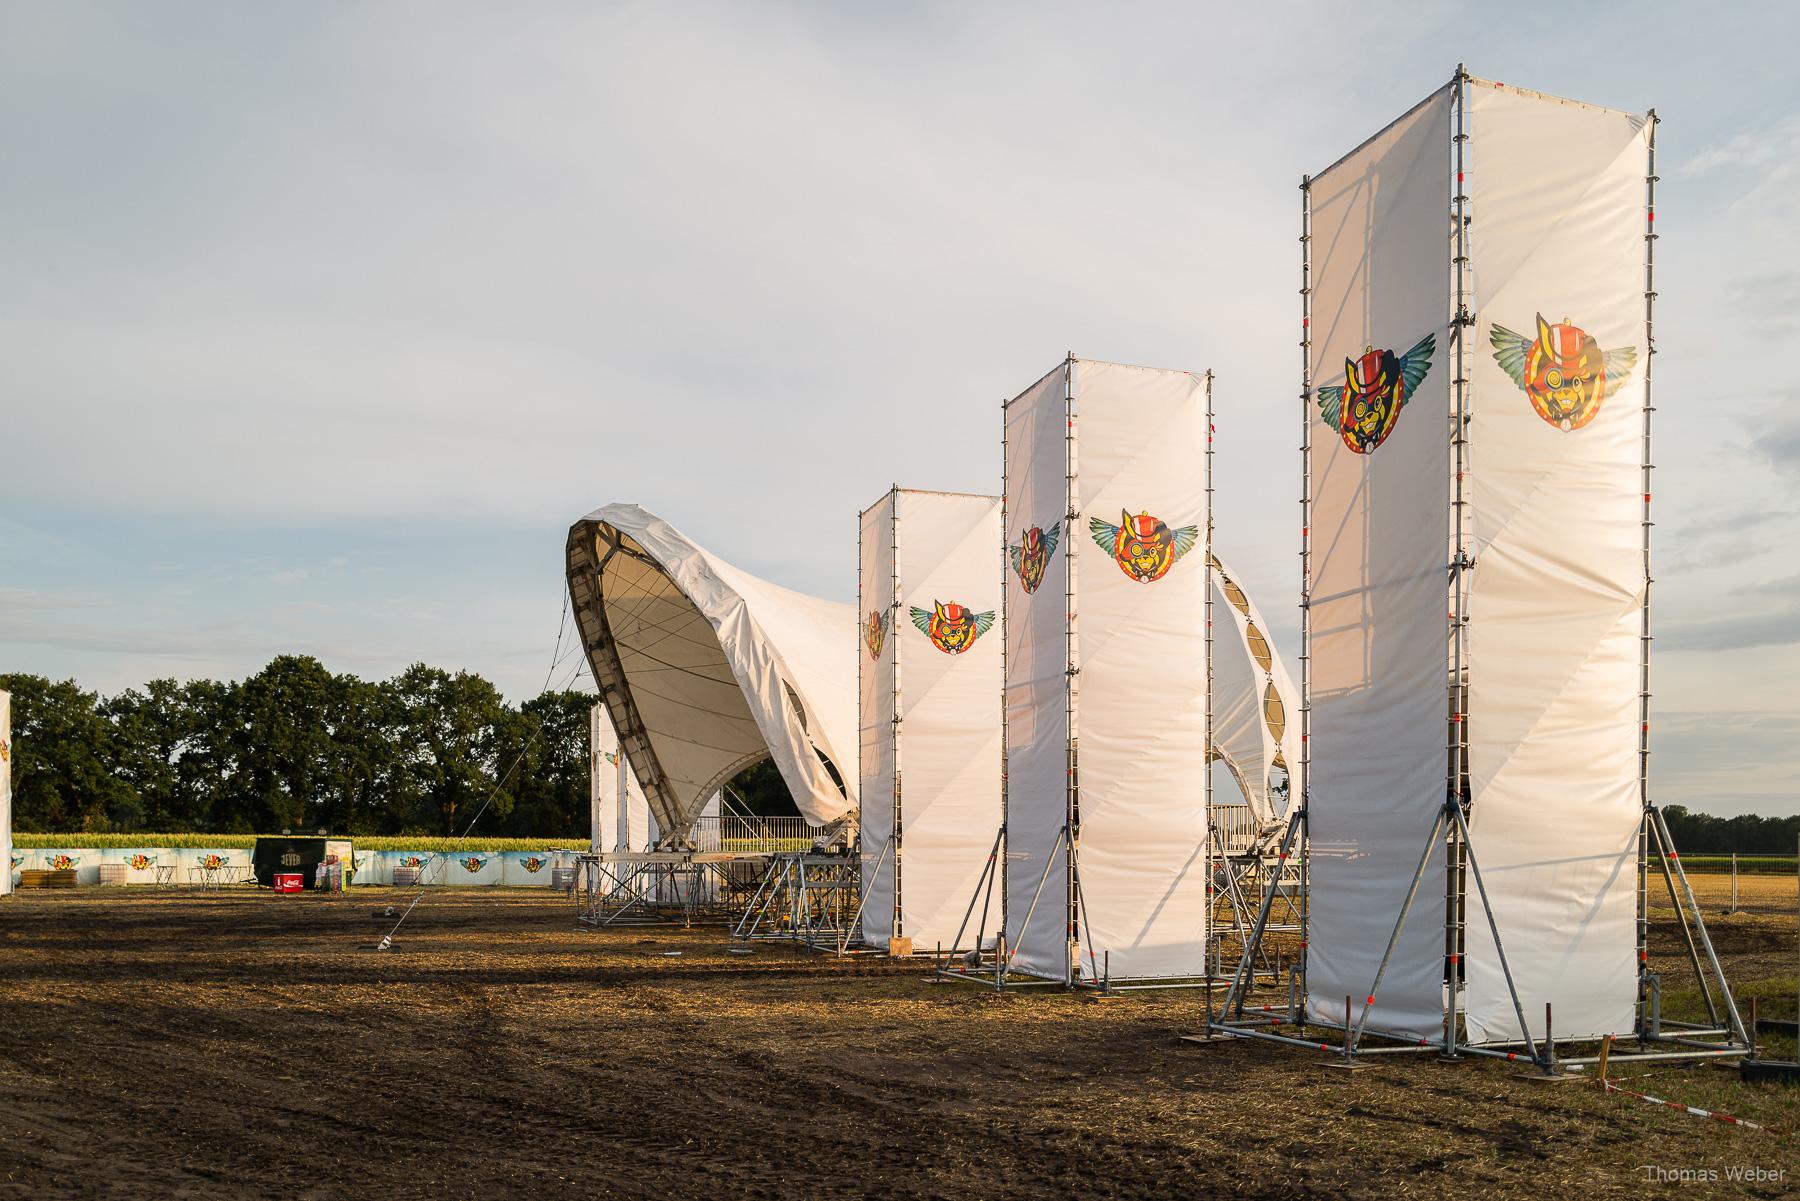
pixel 184 866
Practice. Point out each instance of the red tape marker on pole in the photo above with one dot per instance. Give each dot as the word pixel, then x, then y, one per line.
pixel 1610 1087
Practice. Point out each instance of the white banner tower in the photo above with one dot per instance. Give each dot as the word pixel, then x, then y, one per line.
pixel 1477 338
pixel 619 815
pixel 1107 619
pixel 602 773
pixel 929 581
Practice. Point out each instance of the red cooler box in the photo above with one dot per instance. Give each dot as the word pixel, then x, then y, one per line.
pixel 289 882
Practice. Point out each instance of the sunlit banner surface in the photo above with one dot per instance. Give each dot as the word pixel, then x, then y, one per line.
pixel 1107 536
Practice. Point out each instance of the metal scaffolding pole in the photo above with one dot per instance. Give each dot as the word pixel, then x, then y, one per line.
pixel 997 859
pixel 1071 692
pixel 1455 902
pixel 1646 825
pixel 895 929
pixel 1302 795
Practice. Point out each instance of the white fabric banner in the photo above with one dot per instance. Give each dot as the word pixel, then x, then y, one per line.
pixel 878 677
pixel 1140 550
pixel 950 685
pixel 6 753
pixel 526 869
pixel 470 867
pixel 1379 542
pixel 635 824
pixel 372 867
pixel 620 813
pixel 599 794
pixel 1037 730
pixel 1556 364
pixel 1135 440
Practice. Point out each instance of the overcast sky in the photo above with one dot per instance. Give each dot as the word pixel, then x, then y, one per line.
pixel 320 323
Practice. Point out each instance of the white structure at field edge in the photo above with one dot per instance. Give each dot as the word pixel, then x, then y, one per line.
pixel 6 754
pixel 1477 545
pixel 930 684
pixel 1108 645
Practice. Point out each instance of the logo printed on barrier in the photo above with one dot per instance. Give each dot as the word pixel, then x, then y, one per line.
pixel 1562 370
pixel 139 861
pixel 412 861
pixel 1365 408
pixel 951 627
pixel 611 757
pixel 1032 554
pixel 212 861
pixel 1144 547
pixel 875 631
pixel 475 863
pixel 533 864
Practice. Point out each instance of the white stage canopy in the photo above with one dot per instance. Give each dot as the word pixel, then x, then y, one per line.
pixel 1256 732
pixel 706 670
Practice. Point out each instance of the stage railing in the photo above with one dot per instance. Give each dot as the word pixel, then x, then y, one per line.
pixel 1237 827
pixel 754 835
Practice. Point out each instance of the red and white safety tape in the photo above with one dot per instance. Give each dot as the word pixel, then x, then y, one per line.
pixel 1610 1087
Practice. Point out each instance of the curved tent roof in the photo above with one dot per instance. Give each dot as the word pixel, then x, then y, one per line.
pixel 1255 711
pixel 706 670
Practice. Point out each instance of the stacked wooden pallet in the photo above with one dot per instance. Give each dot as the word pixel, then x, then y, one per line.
pixel 44 878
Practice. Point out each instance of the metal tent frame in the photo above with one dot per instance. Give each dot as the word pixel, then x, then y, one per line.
pixel 810 899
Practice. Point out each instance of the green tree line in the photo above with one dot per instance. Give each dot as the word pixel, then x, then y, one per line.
pixel 1745 834
pixel 297 747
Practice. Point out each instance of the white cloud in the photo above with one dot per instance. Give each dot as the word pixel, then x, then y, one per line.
pixel 286 277
pixel 16 600
pixel 1758 148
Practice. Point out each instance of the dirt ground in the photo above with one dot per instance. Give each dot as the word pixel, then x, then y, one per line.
pixel 223 1045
